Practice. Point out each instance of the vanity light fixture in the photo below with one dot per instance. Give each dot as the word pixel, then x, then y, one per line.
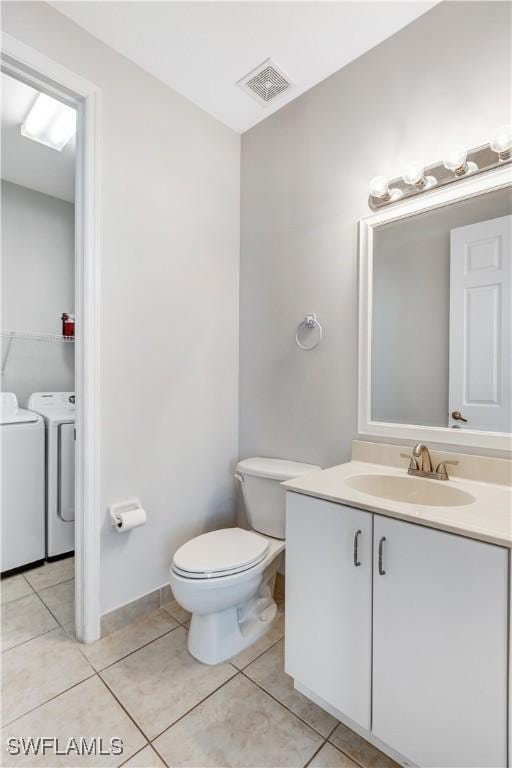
pixel 456 161
pixel 49 122
pixel 379 188
pixel 414 175
pixel 458 164
pixel 501 143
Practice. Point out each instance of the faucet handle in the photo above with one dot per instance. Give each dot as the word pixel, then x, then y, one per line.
pixel 413 464
pixel 444 463
pixel 441 467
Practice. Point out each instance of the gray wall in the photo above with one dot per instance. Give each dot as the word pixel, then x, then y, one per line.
pixel 170 239
pixel 411 310
pixel 444 79
pixel 38 268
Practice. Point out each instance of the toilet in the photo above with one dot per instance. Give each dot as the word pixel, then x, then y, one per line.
pixel 225 578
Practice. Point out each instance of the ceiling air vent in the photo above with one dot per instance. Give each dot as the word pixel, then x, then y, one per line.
pixel 266 82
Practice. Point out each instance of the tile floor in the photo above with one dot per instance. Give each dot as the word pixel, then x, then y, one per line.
pixel 140 684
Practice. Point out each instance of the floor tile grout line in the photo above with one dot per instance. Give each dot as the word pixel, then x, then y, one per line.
pixel 151 746
pixel 121 658
pixel 351 757
pixel 134 755
pixel 79 646
pixel 194 707
pixel 322 745
pixel 130 653
pixel 46 606
pixel 32 590
pixel 52 586
pixel 346 754
pixel 143 616
pixel 47 701
pixel 285 707
pixel 49 585
pixel 63 626
pixel 164 608
pixel 126 711
pixel 49 611
pixel 241 669
pixel 36 637
pixel 160 756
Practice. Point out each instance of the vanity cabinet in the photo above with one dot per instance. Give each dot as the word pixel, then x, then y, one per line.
pixel 328 602
pixel 411 645
pixel 439 646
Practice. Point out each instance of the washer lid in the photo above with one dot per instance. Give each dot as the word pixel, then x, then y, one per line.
pixel 274 469
pixel 54 406
pixel 11 414
pixel 220 551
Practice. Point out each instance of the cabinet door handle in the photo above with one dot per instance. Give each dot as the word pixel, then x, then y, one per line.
pixel 356 548
pixel 382 572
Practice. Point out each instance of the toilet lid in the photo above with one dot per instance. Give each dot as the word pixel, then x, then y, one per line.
pixel 229 550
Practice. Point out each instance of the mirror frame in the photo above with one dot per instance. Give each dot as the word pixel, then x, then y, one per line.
pixel 496 179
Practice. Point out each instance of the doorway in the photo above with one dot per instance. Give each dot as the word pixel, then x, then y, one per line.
pixel 69 363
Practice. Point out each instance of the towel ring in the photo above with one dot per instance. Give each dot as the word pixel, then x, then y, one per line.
pixel 309 322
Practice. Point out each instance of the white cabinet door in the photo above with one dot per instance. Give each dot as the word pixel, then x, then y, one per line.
pixel 328 602
pixel 480 323
pixel 439 646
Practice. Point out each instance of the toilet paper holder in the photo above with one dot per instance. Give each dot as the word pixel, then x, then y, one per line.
pixel 120 512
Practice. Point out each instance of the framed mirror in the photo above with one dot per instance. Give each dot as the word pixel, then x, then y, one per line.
pixel 435 316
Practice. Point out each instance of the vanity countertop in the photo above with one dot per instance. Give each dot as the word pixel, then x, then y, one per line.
pixel 488 518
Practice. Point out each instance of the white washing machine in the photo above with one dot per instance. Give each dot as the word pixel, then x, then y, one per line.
pixel 58 412
pixel 22 444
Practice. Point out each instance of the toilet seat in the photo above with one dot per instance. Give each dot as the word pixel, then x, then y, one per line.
pixel 220 553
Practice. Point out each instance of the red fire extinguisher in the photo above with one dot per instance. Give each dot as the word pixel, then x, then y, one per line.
pixel 68 325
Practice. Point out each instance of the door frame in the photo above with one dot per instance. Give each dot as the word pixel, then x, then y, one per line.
pixel 34 68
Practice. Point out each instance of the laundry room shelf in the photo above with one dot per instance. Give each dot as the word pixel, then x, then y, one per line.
pixel 30 336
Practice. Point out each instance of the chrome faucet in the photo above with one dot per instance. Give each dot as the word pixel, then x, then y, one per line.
pixel 420 464
pixel 423 458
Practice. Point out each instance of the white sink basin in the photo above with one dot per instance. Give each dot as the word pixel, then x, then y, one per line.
pixel 412 490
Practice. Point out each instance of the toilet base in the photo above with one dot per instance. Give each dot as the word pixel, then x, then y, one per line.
pixel 215 637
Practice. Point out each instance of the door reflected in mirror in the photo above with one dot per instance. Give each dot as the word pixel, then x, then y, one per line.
pixel 442 316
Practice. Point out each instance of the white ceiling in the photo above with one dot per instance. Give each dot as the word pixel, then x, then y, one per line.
pixel 25 162
pixel 201 49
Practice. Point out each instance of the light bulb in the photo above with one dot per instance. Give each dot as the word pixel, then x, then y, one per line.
pixel 414 174
pixel 501 142
pixel 379 187
pixel 456 161
pixel 455 158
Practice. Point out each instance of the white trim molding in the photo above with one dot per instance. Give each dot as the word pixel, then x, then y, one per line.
pixel 471 187
pixel 34 68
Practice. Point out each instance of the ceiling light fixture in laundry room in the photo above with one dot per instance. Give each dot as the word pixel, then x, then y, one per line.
pixel 49 122
pixel 265 82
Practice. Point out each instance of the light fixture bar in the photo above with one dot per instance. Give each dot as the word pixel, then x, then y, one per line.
pixel 49 122
pixel 458 164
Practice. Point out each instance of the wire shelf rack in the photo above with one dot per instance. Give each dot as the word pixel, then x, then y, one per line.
pixel 32 336
pixel 9 336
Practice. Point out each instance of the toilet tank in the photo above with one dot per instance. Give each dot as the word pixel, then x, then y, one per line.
pixel 264 497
